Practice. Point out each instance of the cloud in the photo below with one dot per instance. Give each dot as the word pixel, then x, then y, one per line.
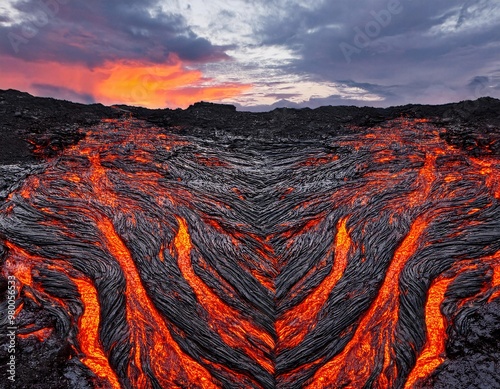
pixel 118 82
pixel 4 19
pixel 93 32
pixel 158 86
pixel 62 93
pixel 113 51
pixel 420 52
pixel 297 52
pixel 420 49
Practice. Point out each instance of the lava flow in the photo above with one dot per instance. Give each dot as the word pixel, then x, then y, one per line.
pixel 145 258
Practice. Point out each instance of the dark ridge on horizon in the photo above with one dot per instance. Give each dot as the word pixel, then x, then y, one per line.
pixel 230 107
pixel 28 123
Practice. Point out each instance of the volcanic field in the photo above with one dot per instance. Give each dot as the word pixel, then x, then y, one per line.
pixel 339 247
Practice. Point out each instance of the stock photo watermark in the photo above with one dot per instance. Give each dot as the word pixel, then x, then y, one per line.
pixel 371 30
pixel 44 13
pixel 11 328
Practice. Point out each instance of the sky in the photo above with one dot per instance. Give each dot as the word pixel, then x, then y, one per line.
pixel 255 54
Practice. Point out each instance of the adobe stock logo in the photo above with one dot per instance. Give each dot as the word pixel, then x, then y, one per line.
pixel 372 29
pixel 45 12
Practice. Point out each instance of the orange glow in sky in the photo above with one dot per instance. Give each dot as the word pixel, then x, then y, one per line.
pixel 150 85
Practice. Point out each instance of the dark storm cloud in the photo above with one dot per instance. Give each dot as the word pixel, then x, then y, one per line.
pixel 410 51
pixel 93 31
pixel 62 93
pixel 384 91
pixel 479 82
pixel 401 51
pixel 282 96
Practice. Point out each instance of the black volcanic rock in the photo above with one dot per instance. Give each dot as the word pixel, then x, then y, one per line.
pixel 27 122
pixel 285 156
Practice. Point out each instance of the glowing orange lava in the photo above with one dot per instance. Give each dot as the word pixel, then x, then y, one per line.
pixel 376 329
pixel 144 321
pixel 431 355
pixel 231 325
pixel 149 224
pixel 95 357
pixel 297 322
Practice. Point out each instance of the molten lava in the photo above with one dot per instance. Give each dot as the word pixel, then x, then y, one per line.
pixel 167 261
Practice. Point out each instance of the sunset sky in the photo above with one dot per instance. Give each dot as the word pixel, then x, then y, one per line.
pixel 255 54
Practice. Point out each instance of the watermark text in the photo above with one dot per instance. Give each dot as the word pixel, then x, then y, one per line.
pixel 11 328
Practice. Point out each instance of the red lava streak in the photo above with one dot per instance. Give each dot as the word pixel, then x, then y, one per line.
pixel 156 259
pixel 432 355
pixel 229 323
pixel 294 325
pixel 94 358
pixel 376 330
pixel 148 330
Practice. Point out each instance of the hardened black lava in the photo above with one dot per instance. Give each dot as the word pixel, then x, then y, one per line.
pixel 339 247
